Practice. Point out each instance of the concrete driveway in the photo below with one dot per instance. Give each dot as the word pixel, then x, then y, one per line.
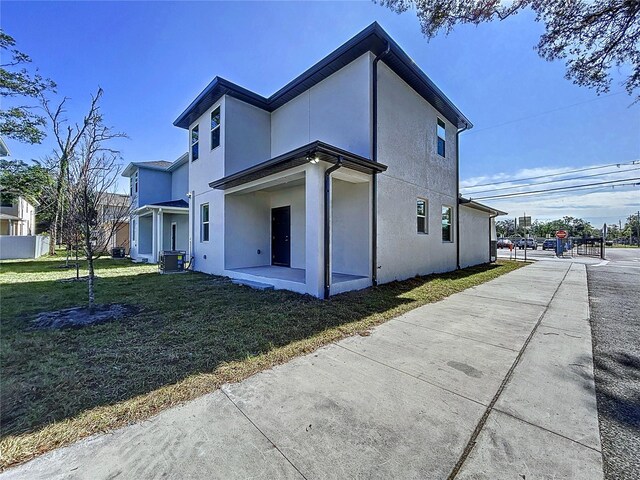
pixel 494 382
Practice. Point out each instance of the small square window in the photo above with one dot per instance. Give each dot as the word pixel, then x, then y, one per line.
pixel 422 215
pixel 442 136
pixel 195 134
pixel 215 128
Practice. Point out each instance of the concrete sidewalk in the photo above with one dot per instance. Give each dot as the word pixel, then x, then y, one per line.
pixel 494 382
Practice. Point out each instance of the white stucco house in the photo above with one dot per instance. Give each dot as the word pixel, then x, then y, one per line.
pixel 344 178
pixel 160 210
pixel 17 216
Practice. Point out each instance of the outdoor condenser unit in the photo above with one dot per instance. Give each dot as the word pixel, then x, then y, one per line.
pixel 172 261
pixel 117 252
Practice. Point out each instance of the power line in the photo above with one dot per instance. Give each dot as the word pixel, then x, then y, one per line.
pixel 597 167
pixel 557 181
pixel 519 194
pixel 536 115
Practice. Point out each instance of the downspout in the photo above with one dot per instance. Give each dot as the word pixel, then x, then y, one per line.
pixel 374 157
pixel 458 132
pixel 327 226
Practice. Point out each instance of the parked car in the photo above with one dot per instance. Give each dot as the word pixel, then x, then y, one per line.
pixel 531 244
pixel 504 243
pixel 549 244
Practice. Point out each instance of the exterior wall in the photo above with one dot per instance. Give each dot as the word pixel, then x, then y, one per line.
pixel 208 256
pixel 247 132
pixel 182 231
pixel 153 186
pixel 335 111
pixel 25 246
pixel 145 235
pixel 350 234
pixel 407 144
pixel 474 237
pixel 179 183
pixel 247 230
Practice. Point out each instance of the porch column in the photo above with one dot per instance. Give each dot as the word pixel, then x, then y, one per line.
pixel 160 232
pixel 154 236
pixel 314 229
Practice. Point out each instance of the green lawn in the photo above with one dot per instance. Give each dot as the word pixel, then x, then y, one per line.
pixel 193 333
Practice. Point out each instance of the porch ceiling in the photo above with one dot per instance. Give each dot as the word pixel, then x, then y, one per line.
pixel 321 151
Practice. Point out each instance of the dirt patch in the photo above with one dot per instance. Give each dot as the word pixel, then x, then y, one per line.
pixel 78 317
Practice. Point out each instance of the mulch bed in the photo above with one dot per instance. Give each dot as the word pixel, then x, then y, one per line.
pixel 78 317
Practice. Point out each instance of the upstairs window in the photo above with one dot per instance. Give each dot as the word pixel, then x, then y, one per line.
pixel 215 128
pixel 422 215
pixel 134 184
pixel 447 220
pixel 204 222
pixel 442 135
pixel 195 132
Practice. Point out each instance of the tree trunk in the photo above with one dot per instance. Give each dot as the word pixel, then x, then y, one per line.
pixel 64 169
pixel 92 295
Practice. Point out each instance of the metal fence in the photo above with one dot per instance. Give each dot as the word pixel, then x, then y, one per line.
pixel 591 247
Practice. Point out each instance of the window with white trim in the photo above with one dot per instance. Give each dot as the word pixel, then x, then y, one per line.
pixel 447 222
pixel 422 213
pixel 441 131
pixel 215 128
pixel 195 134
pixel 204 222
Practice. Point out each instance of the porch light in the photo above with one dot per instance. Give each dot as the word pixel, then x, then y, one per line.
pixel 313 160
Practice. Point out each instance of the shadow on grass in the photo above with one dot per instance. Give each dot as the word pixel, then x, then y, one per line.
pixel 54 264
pixel 188 324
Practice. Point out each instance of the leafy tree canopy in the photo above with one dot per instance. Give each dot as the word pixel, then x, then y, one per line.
pixel 19 178
pixel 593 37
pixel 20 122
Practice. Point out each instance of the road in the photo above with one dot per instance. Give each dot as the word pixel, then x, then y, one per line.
pixel 614 298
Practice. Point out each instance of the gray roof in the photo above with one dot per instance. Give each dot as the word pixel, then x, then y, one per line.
pixel 372 39
pixel 161 165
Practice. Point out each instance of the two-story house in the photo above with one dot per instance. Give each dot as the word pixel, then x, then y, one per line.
pixel 346 177
pixel 17 216
pixel 160 208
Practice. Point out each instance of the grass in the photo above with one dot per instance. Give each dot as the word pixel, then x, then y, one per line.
pixel 193 333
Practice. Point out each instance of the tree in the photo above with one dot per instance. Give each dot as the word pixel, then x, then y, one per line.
pixel 19 122
pixel 632 226
pixel 505 227
pixel 67 138
pixel 93 174
pixel 594 37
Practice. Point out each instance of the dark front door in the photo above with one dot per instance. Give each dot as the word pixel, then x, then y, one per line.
pixel 280 236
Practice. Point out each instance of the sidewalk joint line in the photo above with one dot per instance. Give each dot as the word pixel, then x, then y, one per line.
pixel 455 335
pixel 263 434
pixel 485 416
pixel 411 375
pixel 546 429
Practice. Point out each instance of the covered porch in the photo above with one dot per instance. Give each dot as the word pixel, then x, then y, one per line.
pixel 161 226
pixel 278 232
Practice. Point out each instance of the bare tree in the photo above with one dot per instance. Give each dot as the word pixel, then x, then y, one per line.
pixel 96 212
pixel 594 37
pixel 67 138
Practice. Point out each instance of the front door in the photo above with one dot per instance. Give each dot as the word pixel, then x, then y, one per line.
pixel 280 235
pixel 174 229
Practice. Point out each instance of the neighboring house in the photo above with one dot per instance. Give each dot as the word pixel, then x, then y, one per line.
pixel 345 178
pixel 478 239
pixel 17 216
pixel 160 210
pixel 114 215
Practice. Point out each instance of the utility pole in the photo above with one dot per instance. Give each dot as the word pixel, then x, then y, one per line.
pixel 638 229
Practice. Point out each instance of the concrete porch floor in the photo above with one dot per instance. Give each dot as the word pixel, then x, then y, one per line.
pixel 290 274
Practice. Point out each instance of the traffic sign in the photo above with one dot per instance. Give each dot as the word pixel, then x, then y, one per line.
pixel 561 234
pixel 524 221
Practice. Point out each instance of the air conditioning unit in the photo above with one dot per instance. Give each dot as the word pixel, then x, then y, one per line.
pixel 117 252
pixel 172 261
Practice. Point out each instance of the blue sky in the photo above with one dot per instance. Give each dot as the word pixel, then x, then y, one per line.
pixel 153 58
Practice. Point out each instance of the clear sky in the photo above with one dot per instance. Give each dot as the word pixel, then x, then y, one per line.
pixel 153 58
